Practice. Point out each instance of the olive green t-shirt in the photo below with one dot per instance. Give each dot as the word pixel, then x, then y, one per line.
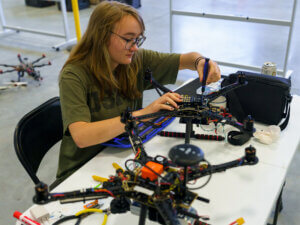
pixel 79 96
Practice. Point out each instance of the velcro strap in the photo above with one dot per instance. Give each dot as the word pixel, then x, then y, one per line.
pixel 238 138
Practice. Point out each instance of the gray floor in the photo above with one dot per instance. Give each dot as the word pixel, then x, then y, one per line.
pixel 225 41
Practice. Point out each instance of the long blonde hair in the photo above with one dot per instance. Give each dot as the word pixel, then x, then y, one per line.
pixel 92 50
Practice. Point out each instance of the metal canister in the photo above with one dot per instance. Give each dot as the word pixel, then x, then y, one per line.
pixel 269 68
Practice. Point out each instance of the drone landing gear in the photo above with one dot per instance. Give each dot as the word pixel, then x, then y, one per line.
pixel 190 133
pixel 143 214
pixel 163 214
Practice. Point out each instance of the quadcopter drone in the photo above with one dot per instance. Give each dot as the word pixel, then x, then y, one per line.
pixel 159 184
pixel 167 198
pixel 197 110
pixel 26 67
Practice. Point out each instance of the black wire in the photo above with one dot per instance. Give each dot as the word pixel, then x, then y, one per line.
pixel 78 221
pixel 203 185
pixel 66 218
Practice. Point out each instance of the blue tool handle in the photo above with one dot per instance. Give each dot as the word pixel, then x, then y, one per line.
pixel 205 74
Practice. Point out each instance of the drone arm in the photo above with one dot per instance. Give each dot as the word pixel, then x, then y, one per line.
pixel 203 114
pixel 133 135
pixel 156 115
pixel 6 65
pixel 7 71
pixel 224 166
pixel 215 169
pixel 246 127
pixel 42 195
pixel 192 215
pixel 156 85
pixel 41 65
pixel 20 58
pixel 241 81
pixel 39 59
pixel 249 159
pixel 225 90
pixel 74 196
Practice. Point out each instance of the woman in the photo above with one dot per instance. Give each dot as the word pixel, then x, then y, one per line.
pixel 104 75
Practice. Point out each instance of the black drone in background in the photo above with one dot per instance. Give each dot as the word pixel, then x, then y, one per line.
pixel 26 66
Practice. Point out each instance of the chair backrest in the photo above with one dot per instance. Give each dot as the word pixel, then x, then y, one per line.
pixel 36 133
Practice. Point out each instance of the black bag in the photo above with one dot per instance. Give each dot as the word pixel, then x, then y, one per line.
pixel 266 98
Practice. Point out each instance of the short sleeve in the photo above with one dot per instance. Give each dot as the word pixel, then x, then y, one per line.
pixel 73 99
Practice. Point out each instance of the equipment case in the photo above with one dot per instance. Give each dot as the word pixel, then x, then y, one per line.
pixel 38 3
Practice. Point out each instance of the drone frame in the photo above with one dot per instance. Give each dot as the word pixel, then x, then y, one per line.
pixel 26 67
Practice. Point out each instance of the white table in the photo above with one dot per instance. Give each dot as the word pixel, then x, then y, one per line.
pixel 249 191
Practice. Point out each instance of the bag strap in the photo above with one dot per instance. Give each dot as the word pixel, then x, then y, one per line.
pixel 237 110
pixel 237 138
pixel 235 106
pixel 287 116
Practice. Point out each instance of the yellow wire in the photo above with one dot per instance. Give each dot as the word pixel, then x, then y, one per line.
pixel 92 210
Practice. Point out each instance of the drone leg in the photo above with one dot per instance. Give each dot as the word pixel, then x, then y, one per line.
pixel 188 130
pixel 19 76
pixel 143 214
pixel 165 209
pixel 185 177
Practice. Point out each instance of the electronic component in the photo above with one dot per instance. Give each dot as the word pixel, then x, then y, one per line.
pixel 151 170
pixel 39 213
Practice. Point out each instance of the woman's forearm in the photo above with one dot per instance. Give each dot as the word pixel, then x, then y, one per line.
pixel 86 134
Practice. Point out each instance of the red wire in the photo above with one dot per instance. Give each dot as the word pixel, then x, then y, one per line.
pixel 139 151
pixel 56 195
pixel 104 190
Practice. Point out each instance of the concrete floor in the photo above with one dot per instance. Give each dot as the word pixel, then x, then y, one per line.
pixel 220 40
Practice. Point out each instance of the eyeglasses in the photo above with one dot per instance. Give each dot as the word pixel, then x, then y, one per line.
pixel 133 41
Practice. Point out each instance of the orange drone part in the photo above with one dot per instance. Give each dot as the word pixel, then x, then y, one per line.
pixel 147 173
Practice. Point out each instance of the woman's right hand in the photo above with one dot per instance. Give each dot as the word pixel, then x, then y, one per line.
pixel 167 101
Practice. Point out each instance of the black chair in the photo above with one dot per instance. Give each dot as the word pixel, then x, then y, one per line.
pixel 36 133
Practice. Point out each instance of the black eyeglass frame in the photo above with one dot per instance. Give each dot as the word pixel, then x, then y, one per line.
pixel 135 41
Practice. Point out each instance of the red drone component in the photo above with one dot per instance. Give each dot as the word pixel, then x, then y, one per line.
pixel 147 173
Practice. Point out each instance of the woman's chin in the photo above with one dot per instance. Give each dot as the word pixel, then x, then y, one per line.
pixel 127 61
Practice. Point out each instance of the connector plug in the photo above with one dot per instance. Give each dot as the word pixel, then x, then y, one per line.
pixel 39 213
